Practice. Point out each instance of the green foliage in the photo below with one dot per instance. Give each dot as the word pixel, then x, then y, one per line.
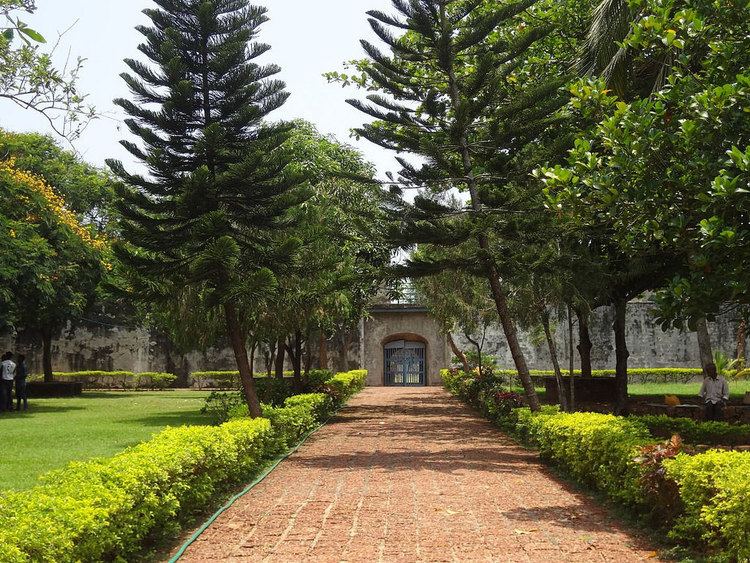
pixel 107 509
pixel 54 432
pixel 53 209
pixel 666 173
pixel 110 509
pixel 320 404
pixel 342 386
pixel 212 217
pixel 695 432
pixel 273 393
pixel 714 488
pixel 118 379
pixel 29 78
pixel 642 375
pixel 222 406
pixel 596 449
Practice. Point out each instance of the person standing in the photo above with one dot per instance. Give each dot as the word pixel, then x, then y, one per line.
pixel 21 373
pixel 714 392
pixel 7 375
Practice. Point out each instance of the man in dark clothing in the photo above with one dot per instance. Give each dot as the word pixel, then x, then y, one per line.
pixel 21 373
pixel 7 375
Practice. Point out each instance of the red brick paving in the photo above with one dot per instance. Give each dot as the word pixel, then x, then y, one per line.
pixel 413 475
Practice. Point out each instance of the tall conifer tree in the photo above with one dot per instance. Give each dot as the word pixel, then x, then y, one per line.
pixel 209 213
pixel 456 92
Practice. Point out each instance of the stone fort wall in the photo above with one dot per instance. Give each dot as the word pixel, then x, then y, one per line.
pixel 98 347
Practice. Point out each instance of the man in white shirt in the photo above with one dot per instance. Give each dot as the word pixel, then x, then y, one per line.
pixel 7 375
pixel 714 392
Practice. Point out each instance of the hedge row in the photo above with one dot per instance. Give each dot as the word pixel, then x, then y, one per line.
pixel 118 379
pixel 112 509
pixel 701 499
pixel 222 379
pixel 694 432
pixel 108 509
pixel 635 375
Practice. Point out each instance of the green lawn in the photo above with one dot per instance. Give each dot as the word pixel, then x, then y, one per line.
pixel 737 389
pixel 55 431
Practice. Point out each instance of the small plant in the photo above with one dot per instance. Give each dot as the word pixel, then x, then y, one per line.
pixel 723 363
pixel 220 406
pixel 506 401
pixel 662 491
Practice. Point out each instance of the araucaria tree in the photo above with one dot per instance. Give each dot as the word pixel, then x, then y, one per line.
pixel 447 92
pixel 211 213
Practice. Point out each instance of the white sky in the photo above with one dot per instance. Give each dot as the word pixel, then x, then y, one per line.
pixel 309 37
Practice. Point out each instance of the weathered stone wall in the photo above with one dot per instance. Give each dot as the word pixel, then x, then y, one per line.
pixel 97 347
pixel 109 348
pixel 649 346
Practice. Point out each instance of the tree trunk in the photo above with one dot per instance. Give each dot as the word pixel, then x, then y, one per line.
pixel 243 364
pixel 269 356
pixel 544 315
pixel 294 349
pixel 509 327
pixel 47 355
pixel 459 353
pixel 511 334
pixel 252 359
pixel 308 356
pixel 584 341
pixel 323 351
pixel 741 343
pixel 622 354
pixel 346 341
pixel 280 356
pixel 704 344
pixel 572 370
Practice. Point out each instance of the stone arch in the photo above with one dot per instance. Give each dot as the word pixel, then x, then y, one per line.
pixel 408 336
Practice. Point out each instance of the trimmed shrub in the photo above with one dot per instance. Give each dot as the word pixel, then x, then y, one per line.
pixel 342 386
pixel 714 488
pixel 111 509
pixel 320 404
pixel 118 379
pixel 695 432
pixel 598 450
pixel 107 509
pixel 635 375
pixel 225 380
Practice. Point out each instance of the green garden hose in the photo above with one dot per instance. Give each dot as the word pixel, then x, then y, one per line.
pixel 259 479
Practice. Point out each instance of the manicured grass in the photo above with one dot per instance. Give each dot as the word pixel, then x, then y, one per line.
pixel 737 389
pixel 55 431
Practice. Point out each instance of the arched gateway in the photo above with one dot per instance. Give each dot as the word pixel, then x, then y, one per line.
pixel 402 345
pixel 404 363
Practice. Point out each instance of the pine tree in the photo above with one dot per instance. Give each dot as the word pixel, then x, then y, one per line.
pixel 450 93
pixel 210 213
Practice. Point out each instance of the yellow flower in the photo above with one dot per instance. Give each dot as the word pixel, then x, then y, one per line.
pixel 54 202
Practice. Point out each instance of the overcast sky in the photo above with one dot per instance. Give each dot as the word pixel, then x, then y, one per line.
pixel 308 38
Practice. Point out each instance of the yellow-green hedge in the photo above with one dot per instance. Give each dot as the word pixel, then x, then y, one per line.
pixel 111 509
pixel 715 493
pixel 104 509
pixel 118 379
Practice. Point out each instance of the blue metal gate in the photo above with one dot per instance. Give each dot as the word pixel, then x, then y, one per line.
pixel 404 363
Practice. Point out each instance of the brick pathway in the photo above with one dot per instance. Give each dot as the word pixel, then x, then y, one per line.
pixel 413 475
